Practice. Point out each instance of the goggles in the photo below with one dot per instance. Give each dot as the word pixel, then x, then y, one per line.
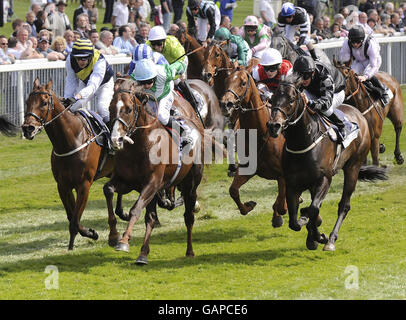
pixel 149 81
pixel 307 75
pixel 271 68
pixel 250 28
pixel 158 43
pixel 82 58
pixel 356 41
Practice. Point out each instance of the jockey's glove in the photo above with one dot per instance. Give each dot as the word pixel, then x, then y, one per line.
pixel 68 101
pixel 301 41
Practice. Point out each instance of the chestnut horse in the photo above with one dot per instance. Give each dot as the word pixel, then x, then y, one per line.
pixel 357 96
pixel 140 139
pixel 243 97
pixel 75 158
pixel 7 128
pixel 310 159
pixel 194 51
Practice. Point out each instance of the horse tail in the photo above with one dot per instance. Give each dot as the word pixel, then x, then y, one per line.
pixel 7 127
pixel 372 173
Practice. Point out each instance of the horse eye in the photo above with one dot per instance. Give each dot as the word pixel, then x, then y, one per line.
pixel 243 83
pixel 128 110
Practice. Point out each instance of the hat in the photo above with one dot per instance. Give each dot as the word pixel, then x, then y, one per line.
pixel 43 39
pixel 61 2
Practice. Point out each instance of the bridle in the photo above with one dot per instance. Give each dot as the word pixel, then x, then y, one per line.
pixel 217 70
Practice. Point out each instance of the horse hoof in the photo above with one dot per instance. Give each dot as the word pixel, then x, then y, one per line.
pixel 319 221
pixel 122 247
pixel 157 224
pixel 277 222
pixel 382 148
pixel 399 159
pixel 94 235
pixel 329 247
pixel 323 239
pixel 196 209
pixel 303 221
pixel 141 260
pixel 114 242
pixel 230 173
pixel 295 226
pixel 311 244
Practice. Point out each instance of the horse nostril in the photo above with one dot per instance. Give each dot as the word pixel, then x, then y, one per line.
pixel 28 128
pixel 229 105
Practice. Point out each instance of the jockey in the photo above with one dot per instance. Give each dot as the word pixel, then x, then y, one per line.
pixel 292 17
pixel 364 51
pixel 89 75
pixel 237 48
pixel 208 14
pixel 172 50
pixel 322 89
pixel 143 51
pixel 269 71
pixel 158 80
pixel 256 35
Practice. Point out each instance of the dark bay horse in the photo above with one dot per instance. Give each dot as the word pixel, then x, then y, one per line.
pixel 7 128
pixel 75 158
pixel 194 51
pixel 139 139
pixel 358 96
pixel 243 97
pixel 310 159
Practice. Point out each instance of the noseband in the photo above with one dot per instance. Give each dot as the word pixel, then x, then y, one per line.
pixel 238 104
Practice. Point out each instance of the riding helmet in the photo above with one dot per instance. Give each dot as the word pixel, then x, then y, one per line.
pixel 194 3
pixel 271 57
pixel 356 33
pixel 251 21
pixel 288 9
pixel 222 34
pixel 304 64
pixel 157 33
pixel 82 48
pixel 144 69
pixel 142 51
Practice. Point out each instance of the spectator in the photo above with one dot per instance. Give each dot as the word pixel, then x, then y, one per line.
pixel 389 8
pixel 124 42
pixel 142 35
pixel 83 25
pixel 4 57
pixel 76 35
pixel 84 8
pixel 310 6
pixel 352 20
pixel 120 14
pixel 267 13
pixel 345 13
pixel 318 33
pixel 363 21
pixel 16 24
pixel 366 5
pixel 106 43
pixel 227 7
pixel 225 22
pixel 45 33
pixel 337 31
pixel 235 30
pixel 59 20
pixel 177 9
pixel 95 14
pixel 94 37
pixel 29 19
pixel 385 18
pixel 36 7
pixel 326 26
pixel 59 45
pixel 167 10
pixel 42 21
pixel 12 51
pixel 133 29
pixel 47 52
pixel 133 12
pixel 396 23
pixel 31 51
pixel 109 11
pixel 172 31
pixel 22 39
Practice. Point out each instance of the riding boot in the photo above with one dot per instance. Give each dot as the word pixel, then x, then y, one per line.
pixel 190 97
pixel 336 119
pixel 313 54
pixel 381 89
pixel 185 132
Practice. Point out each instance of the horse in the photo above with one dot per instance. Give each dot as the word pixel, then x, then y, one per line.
pixel 358 96
pixel 76 159
pixel 7 127
pixel 286 48
pixel 194 52
pixel 310 159
pixel 138 138
pixel 243 97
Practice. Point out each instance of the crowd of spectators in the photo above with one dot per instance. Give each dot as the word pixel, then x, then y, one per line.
pixel 48 32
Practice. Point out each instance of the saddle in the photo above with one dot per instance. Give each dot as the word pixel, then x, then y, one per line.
pixel 98 128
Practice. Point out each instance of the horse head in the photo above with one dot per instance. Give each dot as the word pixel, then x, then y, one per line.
pixel 286 105
pixel 181 34
pixel 125 108
pixel 40 104
pixel 215 60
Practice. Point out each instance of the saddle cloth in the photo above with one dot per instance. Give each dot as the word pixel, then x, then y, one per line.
pixel 98 127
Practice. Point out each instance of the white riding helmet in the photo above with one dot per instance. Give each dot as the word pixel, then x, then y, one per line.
pixel 251 21
pixel 157 33
pixel 271 57
pixel 144 69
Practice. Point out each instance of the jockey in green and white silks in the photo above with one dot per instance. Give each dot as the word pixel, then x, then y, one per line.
pixel 237 48
pixel 158 81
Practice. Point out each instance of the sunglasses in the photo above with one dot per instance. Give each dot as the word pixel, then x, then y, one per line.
pixel 307 75
pixel 250 28
pixel 356 41
pixel 271 68
pixel 157 43
pixel 196 8
pixel 82 58
pixel 149 81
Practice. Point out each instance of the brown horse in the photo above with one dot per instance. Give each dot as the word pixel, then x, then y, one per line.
pixel 194 51
pixel 75 158
pixel 7 128
pixel 139 139
pixel 371 108
pixel 310 159
pixel 243 96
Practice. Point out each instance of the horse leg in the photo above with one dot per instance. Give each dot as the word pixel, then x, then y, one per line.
pixel 68 199
pixel 145 197
pixel 350 181
pixel 119 208
pixel 375 150
pixel 292 200
pixel 318 194
pixel 395 115
pixel 279 207
pixel 108 190
pixel 150 219
pixel 238 181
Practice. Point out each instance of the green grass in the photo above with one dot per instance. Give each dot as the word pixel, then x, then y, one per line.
pixel 237 257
